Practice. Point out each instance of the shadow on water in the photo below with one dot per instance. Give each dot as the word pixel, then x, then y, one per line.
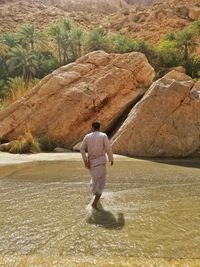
pixel 182 162
pixel 189 163
pixel 106 219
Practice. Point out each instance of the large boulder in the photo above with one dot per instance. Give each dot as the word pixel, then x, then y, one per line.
pixel 98 86
pixel 165 123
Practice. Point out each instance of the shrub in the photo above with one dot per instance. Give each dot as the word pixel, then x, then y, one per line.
pixel 97 39
pixel 121 44
pixel 3 87
pixel 192 66
pixel 46 144
pixel 168 53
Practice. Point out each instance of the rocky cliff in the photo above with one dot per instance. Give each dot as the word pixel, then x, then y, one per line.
pixel 114 15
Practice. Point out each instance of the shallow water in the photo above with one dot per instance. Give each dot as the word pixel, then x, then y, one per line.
pixel 150 210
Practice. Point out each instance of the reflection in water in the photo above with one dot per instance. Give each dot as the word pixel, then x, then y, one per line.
pixel 106 219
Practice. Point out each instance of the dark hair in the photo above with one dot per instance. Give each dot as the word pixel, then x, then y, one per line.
pixel 96 125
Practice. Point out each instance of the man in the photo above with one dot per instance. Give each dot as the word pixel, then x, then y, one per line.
pixel 96 145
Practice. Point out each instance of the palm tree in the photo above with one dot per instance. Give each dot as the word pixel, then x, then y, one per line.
pixel 55 32
pixel 4 50
pixel 23 62
pixel 75 40
pixel 187 40
pixel 66 27
pixel 9 39
pixel 3 68
pixel 29 35
pixel 170 36
pixel 60 35
pixel 192 66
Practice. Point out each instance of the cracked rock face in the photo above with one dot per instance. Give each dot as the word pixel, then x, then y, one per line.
pixel 165 123
pixel 98 86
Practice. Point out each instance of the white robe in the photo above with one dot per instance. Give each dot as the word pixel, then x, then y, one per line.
pixel 94 148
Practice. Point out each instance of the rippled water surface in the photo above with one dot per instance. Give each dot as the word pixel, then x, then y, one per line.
pixel 150 210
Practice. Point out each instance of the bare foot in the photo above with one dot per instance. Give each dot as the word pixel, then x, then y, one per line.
pixel 95 207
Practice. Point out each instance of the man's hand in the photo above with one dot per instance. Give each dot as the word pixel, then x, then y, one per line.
pixel 87 164
pixel 111 163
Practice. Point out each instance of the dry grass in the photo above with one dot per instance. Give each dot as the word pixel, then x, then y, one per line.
pixel 17 88
pixel 24 144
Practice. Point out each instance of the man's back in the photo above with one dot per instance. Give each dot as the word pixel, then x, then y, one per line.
pixel 97 145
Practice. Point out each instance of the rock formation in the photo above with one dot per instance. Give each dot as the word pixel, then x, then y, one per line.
pixel 139 2
pixel 114 15
pixel 99 86
pixel 165 123
pixel 164 120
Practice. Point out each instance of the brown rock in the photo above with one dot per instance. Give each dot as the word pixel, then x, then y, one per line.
pixel 61 150
pixel 179 69
pixel 126 12
pixel 182 11
pixel 139 2
pixel 135 18
pixel 77 147
pixel 62 106
pixel 142 19
pixel 194 13
pixel 165 123
pixel 7 146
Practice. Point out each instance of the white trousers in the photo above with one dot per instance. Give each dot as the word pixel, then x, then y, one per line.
pixel 97 183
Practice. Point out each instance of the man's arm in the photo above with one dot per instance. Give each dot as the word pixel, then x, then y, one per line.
pixel 83 153
pixel 108 149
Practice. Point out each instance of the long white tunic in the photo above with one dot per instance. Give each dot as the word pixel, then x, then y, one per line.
pixel 94 148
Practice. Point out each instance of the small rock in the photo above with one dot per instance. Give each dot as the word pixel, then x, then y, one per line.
pixel 77 147
pixel 194 13
pixel 182 11
pixel 179 69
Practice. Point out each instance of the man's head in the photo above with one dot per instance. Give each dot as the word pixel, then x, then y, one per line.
pixel 96 126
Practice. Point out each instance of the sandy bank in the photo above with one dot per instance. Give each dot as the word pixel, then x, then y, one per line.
pixel 10 163
pixel 9 159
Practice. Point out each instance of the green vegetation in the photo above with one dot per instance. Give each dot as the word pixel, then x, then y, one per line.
pixel 30 54
pixel 97 39
pixel 178 49
pixel 46 144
